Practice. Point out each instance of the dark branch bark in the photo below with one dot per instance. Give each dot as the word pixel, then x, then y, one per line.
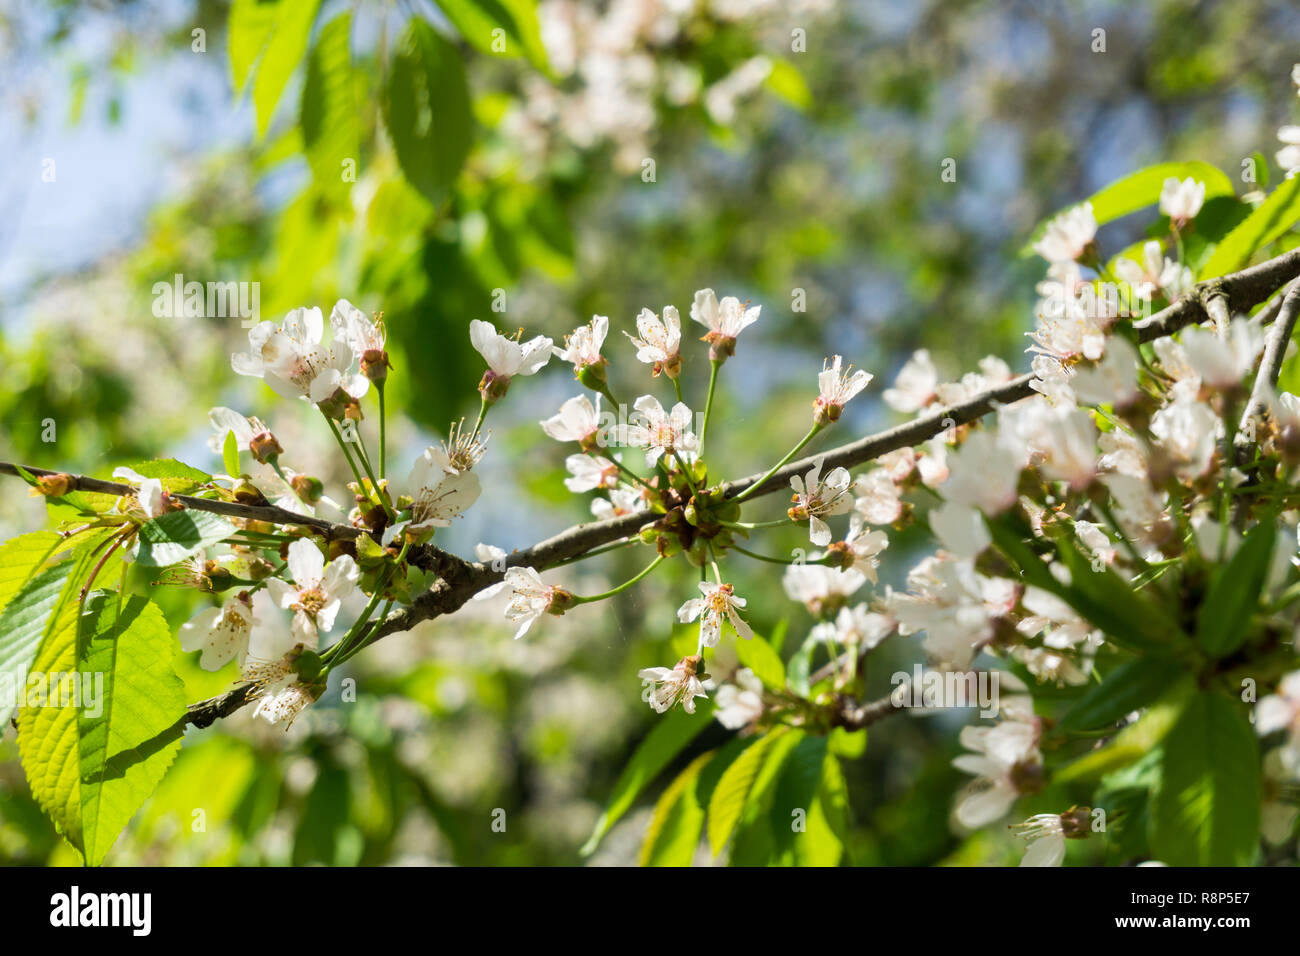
pixel 460 579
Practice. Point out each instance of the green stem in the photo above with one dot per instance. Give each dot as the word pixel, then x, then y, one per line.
pixel 629 473
pixel 677 387
pixel 595 551
pixel 383 433
pixel 714 365
pixel 376 493
pixel 482 414
pixel 622 587
pixel 343 446
pixel 771 560
pixel 686 474
pixel 339 652
pixel 755 525
pixel 780 464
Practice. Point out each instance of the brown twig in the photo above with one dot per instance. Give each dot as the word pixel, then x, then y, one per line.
pixel 460 579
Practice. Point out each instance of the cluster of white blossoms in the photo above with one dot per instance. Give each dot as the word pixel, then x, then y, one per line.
pixel 279 654
pixel 1288 157
pixel 619 63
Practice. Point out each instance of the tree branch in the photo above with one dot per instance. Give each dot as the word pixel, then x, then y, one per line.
pixel 460 579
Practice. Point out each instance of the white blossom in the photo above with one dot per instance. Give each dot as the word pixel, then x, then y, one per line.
pixel 1181 201
pixel 718 604
pixel 915 384
pixel 1068 236
pixel 815 498
pixel 665 687
pixel 317 590
pixel 740 703
pixel 293 359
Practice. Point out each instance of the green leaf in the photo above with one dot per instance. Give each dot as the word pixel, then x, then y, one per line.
pixel 678 819
pixel 1224 618
pixel 273 35
pixel 175 476
pixel 766 664
pixel 24 623
pixel 800 670
pixel 230 454
pixel 127 743
pixel 798 825
pixel 669 738
pixel 1103 598
pixel 1133 742
pixel 787 82
pixel 427 111
pixel 1129 687
pixel 176 535
pixel 20 559
pixel 1206 806
pixel 1275 216
pixel 733 790
pixel 479 20
pixel 329 114
pixel 46 604
pixel 1141 189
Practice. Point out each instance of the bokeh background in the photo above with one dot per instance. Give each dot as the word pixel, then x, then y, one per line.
pixel 779 173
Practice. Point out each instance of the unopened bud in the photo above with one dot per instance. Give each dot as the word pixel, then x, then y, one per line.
pixel 593 375
pixel 55 486
pixel 264 447
pixel 375 365
pixel 826 412
pixel 561 601
pixel 493 387
pixel 307 488
pixel 247 493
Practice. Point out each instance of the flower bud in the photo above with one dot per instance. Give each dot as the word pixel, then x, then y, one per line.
pixel 307 665
pixel 561 601
pixel 593 375
pixel 493 387
pixel 375 365
pixel 307 489
pixel 264 447
pixel 55 486
pixel 246 493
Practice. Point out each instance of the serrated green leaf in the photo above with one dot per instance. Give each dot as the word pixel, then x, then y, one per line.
pixel 1129 687
pixel 1224 618
pixel 177 535
pixel 329 114
pixel 44 605
pixel 21 558
pixel 678 820
pixel 127 743
pixel 733 790
pixel 427 111
pixel 670 737
pixel 1141 189
pixel 758 656
pixel 1274 217
pixel 1205 810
